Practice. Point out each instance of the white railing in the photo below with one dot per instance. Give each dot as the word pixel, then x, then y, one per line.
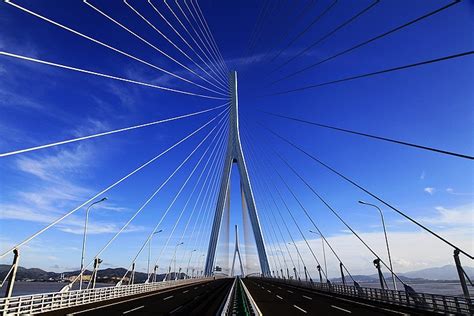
pixel 38 303
pixel 419 301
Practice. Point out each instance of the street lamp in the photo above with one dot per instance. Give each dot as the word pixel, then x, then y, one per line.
pixel 386 242
pixel 189 262
pixel 297 255
pixel 149 250
pixel 324 252
pixel 284 261
pixel 199 264
pixel 174 257
pixel 84 239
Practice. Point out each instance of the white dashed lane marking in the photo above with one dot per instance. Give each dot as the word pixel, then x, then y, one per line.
pixel 307 297
pixel 341 309
pixel 186 291
pixel 133 309
pixel 300 309
pixel 176 309
pixel 167 298
pixel 279 297
pixel 289 291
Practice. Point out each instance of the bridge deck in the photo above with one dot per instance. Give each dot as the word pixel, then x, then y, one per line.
pixel 193 299
pixel 282 299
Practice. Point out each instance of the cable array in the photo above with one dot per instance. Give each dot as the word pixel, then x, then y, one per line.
pixel 202 68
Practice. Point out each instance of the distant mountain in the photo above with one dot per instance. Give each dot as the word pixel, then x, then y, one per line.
pixel 447 272
pixel 109 275
pixel 26 274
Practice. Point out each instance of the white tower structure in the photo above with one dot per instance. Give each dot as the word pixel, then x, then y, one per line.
pixel 237 253
pixel 235 155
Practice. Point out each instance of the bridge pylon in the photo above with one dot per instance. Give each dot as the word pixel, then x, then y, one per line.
pixel 237 253
pixel 235 155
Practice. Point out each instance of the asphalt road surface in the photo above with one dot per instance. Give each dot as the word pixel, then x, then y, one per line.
pixel 274 298
pixel 198 299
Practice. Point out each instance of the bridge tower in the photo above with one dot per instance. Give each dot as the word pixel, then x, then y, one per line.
pixel 235 155
pixel 237 253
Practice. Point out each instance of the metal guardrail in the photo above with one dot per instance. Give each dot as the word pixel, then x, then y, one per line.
pixel 226 308
pixel 44 302
pixel 253 306
pixel 419 301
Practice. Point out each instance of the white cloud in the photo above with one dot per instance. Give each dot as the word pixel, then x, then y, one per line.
pixel 54 167
pixel 410 251
pixel 91 126
pixel 54 191
pixel 453 192
pixel 44 211
pixel 458 216
pixel 17 101
pixel 423 175
pixel 429 190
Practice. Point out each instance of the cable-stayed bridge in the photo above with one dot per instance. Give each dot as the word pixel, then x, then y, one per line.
pixel 291 272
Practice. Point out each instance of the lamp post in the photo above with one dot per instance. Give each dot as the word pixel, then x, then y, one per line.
pixel 201 259
pixel 149 250
pixel 84 240
pixel 284 261
pixel 189 262
pixel 174 257
pixel 324 253
pixel 297 256
pixel 386 241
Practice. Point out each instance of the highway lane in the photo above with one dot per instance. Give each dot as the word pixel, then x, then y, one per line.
pixel 274 298
pixel 198 299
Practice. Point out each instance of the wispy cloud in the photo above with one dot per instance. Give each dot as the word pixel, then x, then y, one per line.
pixel 430 190
pixel 55 188
pixel 461 216
pixel 454 192
pixel 91 126
pixel 18 101
pixel 54 167
pixel 423 175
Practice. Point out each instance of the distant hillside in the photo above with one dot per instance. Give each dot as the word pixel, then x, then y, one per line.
pixel 109 275
pixel 444 273
pixel 447 272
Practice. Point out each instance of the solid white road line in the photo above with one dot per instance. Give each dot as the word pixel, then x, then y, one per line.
pixel 167 298
pixel 341 309
pixel 279 297
pixel 300 309
pixel 307 297
pixel 133 309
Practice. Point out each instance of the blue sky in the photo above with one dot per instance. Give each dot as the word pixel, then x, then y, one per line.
pixel 430 105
